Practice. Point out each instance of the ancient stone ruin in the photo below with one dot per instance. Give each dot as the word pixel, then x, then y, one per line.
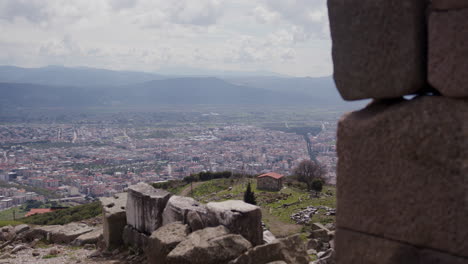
pixel 179 230
pixel 403 162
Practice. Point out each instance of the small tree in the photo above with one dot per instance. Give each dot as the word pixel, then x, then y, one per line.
pixel 307 171
pixel 249 196
pixel 317 186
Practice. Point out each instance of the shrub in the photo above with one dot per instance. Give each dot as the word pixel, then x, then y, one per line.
pixel 249 196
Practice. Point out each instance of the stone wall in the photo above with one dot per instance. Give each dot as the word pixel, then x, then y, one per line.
pixel 269 184
pixel 403 163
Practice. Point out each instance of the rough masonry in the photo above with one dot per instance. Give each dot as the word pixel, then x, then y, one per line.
pixel 402 163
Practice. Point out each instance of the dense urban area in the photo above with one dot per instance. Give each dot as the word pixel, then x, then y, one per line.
pixel 79 161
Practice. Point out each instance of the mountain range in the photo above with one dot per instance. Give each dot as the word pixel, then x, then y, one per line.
pixel 54 86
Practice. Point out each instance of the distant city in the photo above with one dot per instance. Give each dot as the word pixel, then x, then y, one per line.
pixel 100 161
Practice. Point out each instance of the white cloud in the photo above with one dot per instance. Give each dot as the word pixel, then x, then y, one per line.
pixel 287 36
pixel 307 16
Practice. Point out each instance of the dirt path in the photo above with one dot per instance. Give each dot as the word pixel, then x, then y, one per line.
pixel 186 190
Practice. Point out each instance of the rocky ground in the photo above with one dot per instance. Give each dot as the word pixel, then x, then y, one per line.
pixel 63 254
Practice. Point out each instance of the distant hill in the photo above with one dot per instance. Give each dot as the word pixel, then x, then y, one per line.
pixel 322 88
pixel 157 92
pixel 56 86
pixel 82 76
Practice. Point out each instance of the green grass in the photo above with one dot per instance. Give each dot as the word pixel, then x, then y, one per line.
pixel 206 189
pixel 49 256
pixel 7 215
pixel 9 223
pixel 176 190
pixel 281 204
pixel 65 216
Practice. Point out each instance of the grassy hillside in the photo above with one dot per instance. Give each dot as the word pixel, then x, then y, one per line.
pixel 277 207
pixel 65 216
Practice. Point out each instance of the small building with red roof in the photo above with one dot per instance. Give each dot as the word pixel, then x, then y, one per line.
pixel 271 181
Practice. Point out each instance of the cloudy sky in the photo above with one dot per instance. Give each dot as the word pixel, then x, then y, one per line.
pixel 284 36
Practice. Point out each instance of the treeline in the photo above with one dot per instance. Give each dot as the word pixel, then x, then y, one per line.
pixel 65 216
pixel 208 176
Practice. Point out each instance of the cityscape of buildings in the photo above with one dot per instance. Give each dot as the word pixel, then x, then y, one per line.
pixel 93 160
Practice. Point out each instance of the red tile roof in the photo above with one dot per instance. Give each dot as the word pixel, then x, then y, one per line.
pixel 271 174
pixel 38 211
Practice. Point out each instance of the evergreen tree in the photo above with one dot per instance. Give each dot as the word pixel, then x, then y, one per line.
pixel 249 196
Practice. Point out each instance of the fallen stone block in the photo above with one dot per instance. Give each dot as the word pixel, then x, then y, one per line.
pixel 212 245
pixel 164 240
pixel 290 250
pixel 89 238
pixel 448 52
pixel 59 234
pixel 145 206
pixel 186 210
pixel 240 218
pixel 18 248
pixel 114 219
pixel 268 237
pixel 21 228
pixel 379 47
pixel 357 248
pixel 402 172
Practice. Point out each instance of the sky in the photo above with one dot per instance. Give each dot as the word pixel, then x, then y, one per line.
pixel 289 37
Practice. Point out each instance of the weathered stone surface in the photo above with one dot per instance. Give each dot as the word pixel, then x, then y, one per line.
pixel 354 248
pixel 212 245
pixel 449 4
pixel 379 47
pixel 60 234
pixel 327 257
pixel 134 238
pixel 145 206
pixel 21 228
pixel 320 234
pixel 164 240
pixel 187 211
pixel 114 219
pixel 402 172
pixel 291 250
pixel 240 218
pixel 448 52
pixel 89 238
pixel 268 237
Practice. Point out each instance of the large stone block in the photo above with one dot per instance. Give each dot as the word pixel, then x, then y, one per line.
pixel 164 240
pixel 291 250
pixel 448 4
pixel 240 218
pixel 60 234
pixel 448 52
pixel 379 47
pixel 212 245
pixel 358 248
pixel 145 206
pixel 114 219
pixel 187 211
pixel 403 172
